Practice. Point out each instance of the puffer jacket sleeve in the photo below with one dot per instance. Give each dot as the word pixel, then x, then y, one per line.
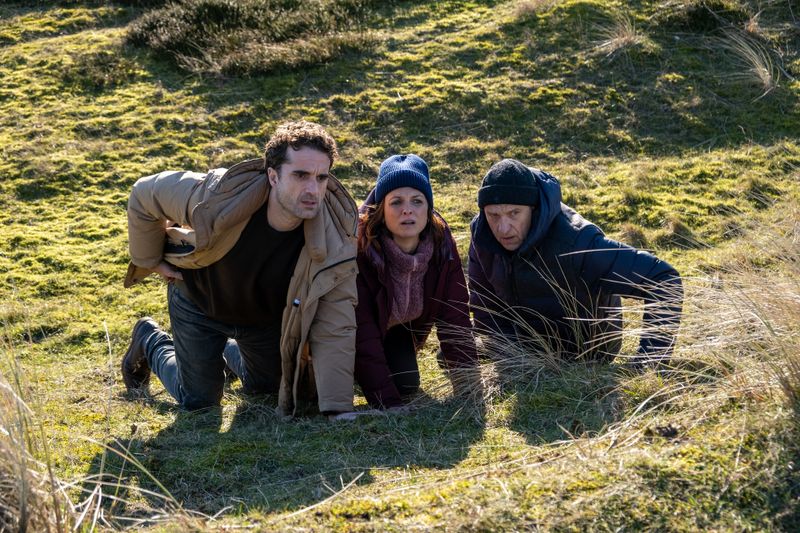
pixel 485 307
pixel 332 341
pixel 453 325
pixel 620 269
pixel 153 201
pixel 371 369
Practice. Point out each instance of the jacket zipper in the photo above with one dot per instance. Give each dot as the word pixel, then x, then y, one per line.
pixel 331 266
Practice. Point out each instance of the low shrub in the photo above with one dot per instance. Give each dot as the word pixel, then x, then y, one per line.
pixel 254 36
pixel 701 16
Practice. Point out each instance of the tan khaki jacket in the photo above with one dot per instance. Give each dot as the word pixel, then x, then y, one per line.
pixel 199 217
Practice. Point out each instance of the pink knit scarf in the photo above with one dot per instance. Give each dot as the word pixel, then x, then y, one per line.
pixel 406 273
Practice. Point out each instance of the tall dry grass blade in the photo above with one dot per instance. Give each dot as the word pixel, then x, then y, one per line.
pixel 740 335
pixel 32 498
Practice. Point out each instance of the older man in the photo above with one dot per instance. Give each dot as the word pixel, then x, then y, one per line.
pixel 263 253
pixel 539 271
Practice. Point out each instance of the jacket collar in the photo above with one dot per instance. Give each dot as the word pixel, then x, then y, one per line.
pixel 338 210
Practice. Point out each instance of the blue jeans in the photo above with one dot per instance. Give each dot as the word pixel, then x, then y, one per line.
pixel 191 363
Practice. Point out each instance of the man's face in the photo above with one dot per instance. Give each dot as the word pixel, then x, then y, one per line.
pixel 509 223
pixel 299 184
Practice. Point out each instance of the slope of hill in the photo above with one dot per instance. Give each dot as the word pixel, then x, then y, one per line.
pixel 672 124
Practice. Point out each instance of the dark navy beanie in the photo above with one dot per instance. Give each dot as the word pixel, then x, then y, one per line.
pixel 403 171
pixel 509 182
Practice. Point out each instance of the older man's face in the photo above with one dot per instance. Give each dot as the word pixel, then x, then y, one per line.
pixel 510 223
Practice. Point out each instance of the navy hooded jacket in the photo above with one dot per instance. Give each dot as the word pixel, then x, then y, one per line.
pixel 563 284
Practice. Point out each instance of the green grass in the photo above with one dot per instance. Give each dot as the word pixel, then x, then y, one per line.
pixel 667 139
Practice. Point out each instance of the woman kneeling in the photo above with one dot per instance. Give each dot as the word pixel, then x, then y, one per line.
pixel 410 278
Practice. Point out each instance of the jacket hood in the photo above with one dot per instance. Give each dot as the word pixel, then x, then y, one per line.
pixel 543 217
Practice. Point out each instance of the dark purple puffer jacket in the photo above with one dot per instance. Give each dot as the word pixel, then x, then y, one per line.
pixel 445 304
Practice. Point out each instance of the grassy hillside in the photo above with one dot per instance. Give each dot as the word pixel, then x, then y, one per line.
pixel 673 124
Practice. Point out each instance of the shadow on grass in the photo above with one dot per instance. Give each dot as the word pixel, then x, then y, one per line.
pixel 254 461
pixel 583 400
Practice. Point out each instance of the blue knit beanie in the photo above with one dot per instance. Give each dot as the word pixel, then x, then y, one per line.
pixel 403 171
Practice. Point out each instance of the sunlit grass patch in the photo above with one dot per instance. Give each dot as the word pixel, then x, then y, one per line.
pixel 19 22
pixel 664 151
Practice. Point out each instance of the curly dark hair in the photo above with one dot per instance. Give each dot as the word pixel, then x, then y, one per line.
pixel 297 135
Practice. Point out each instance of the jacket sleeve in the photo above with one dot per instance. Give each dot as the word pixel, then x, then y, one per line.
pixel 620 269
pixel 153 201
pixel 453 326
pixel 371 369
pixel 485 307
pixel 332 343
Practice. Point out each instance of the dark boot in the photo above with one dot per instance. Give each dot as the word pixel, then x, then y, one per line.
pixel 135 368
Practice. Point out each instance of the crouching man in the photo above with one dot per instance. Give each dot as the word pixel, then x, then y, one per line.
pixel 263 253
pixel 538 270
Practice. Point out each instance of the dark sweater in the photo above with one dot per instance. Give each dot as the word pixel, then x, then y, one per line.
pixel 247 287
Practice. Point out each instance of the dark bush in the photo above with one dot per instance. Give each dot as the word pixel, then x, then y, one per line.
pixel 700 16
pixel 249 36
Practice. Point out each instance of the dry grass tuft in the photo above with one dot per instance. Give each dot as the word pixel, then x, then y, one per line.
pixel 618 36
pixel 30 496
pixel 633 235
pixel 528 8
pixel 677 234
pixel 753 26
pixel 740 333
pixel 754 61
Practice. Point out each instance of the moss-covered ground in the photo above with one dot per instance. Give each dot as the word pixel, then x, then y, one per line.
pixel 660 132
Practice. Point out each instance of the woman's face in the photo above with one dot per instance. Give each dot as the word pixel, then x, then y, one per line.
pixel 405 213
